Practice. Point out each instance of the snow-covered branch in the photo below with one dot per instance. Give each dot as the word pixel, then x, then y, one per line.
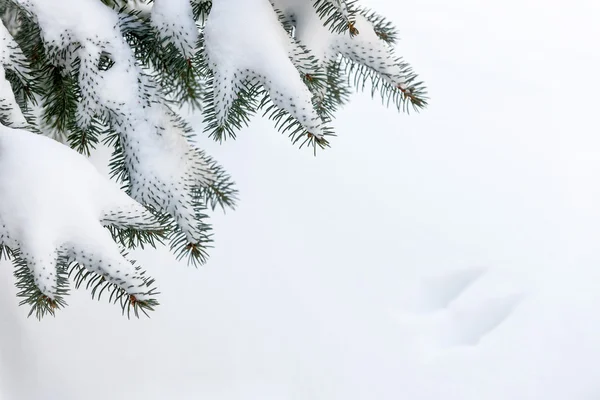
pixel 115 71
pixel 53 211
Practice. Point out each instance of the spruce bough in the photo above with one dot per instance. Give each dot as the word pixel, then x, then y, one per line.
pixel 77 73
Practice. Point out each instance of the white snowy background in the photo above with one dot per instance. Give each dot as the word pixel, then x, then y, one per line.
pixel 447 255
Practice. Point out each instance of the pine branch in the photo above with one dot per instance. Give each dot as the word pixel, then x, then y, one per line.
pixel 384 29
pixel 40 304
pixel 179 243
pixel 201 10
pixel 177 75
pixel 131 238
pixel 242 108
pixel 411 95
pixel 99 285
pixel 149 50
pixel 338 15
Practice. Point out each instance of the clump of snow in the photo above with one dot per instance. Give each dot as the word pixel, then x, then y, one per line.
pixel 60 18
pixel 58 205
pixel 66 38
pixel 164 168
pixel 174 20
pixel 245 41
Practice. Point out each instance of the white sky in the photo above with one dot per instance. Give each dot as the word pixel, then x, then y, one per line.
pixel 300 298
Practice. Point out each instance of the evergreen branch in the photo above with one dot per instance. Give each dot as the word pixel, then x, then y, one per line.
pixel 41 305
pixel 218 188
pixel 24 89
pixel 338 15
pixel 117 168
pixel 383 28
pixel 288 22
pixel 85 140
pixel 195 253
pixel 56 87
pixel 411 94
pixel 16 66
pixel 242 108
pixel 60 102
pixel 60 112
pixel 10 16
pixel 330 90
pixel 238 117
pixel 178 76
pixel 220 191
pixel 131 238
pixel 285 123
pixel 5 253
pixel 98 285
pixel 126 6
pixel 49 76
pixel 201 9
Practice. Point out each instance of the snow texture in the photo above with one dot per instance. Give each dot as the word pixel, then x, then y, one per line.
pixel 58 206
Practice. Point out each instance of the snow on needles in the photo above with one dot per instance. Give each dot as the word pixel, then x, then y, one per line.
pixel 364 47
pixel 11 57
pixel 275 43
pixel 174 19
pixel 163 169
pixel 58 206
pixel 276 54
pixel 245 41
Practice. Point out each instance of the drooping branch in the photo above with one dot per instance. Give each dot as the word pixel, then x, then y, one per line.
pixel 119 78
